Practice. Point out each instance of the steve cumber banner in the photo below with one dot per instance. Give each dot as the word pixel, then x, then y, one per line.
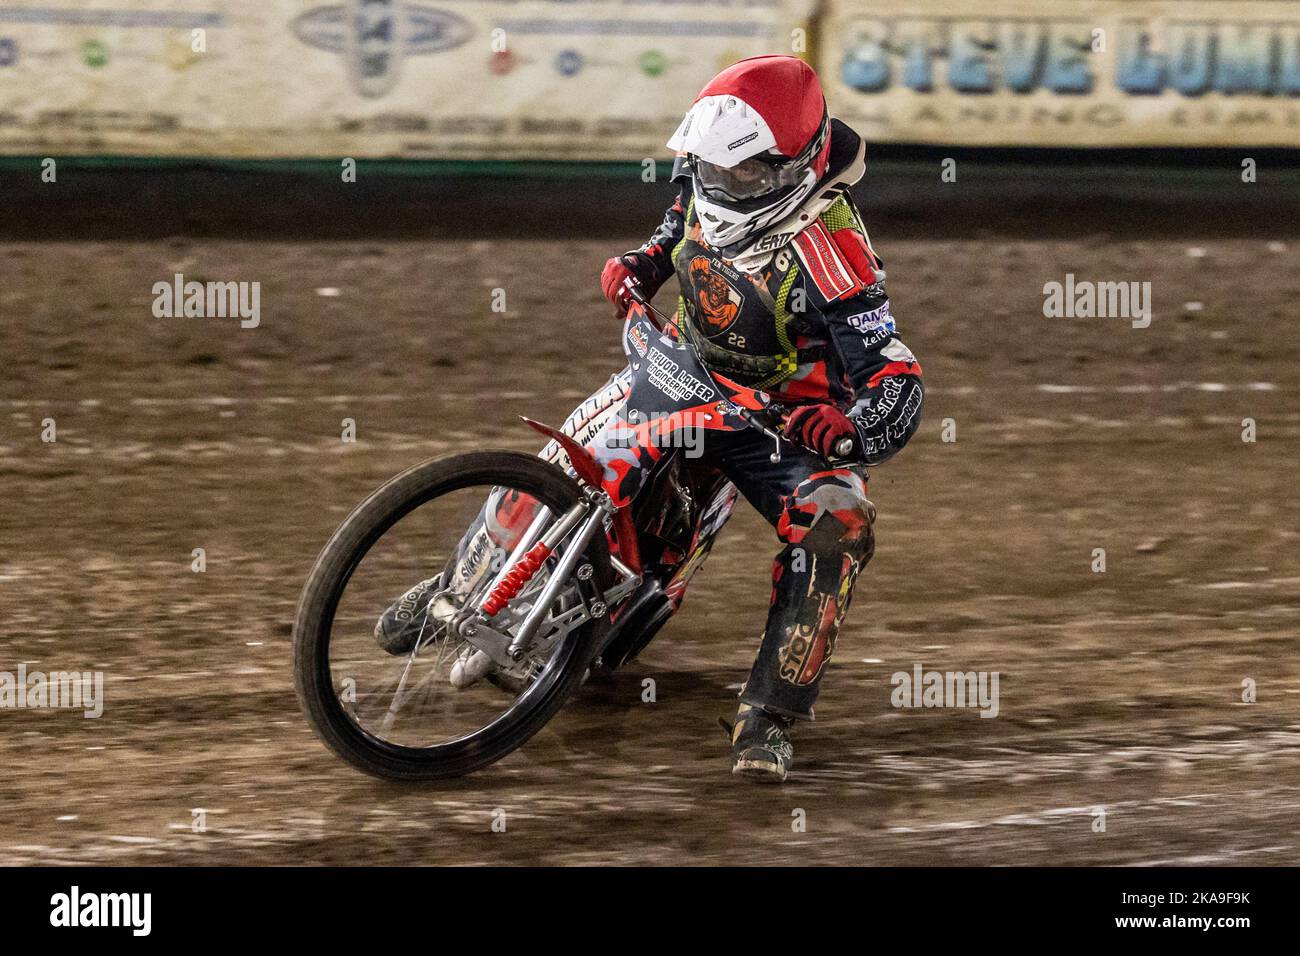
pixel 1066 72
pixel 609 79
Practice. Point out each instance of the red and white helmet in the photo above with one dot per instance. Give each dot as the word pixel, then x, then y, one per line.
pixel 757 140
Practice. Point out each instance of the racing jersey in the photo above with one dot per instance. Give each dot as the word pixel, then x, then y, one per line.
pixel 811 324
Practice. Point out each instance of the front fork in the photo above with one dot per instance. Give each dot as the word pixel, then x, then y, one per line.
pixel 588 517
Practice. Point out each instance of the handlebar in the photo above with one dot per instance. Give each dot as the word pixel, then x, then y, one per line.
pixel 636 295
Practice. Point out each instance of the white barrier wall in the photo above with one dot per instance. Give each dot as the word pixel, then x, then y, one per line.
pixel 609 79
pixel 480 79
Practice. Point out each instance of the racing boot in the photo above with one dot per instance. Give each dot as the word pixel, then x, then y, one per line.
pixel 760 745
pixel 399 627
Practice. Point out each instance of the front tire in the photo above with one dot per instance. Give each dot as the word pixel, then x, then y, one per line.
pixel 340 558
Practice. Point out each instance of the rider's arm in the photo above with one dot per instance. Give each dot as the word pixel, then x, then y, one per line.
pixel 888 394
pixel 844 282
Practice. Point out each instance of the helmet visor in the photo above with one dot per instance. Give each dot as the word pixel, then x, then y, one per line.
pixel 748 179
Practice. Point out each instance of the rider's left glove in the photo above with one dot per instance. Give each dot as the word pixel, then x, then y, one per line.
pixel 615 275
pixel 821 428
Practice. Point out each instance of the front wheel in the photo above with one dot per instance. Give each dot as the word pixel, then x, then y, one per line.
pixel 404 710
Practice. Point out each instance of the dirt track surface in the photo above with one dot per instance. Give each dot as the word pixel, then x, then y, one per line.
pixel 1120 690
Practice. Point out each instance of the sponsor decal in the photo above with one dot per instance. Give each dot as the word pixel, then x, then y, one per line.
pixel 887 422
pixel 409 603
pixel 473 565
pixel 878 318
pixel 717 300
pixel 876 326
pixel 773 241
pixel 795 654
pixel 587 420
pixel 743 140
pixel 674 381
pixel 871 339
pixel 638 339
pixel 805 656
pixel 376 36
pixel 827 269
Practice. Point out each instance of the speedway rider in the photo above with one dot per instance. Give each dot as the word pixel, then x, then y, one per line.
pixel 779 289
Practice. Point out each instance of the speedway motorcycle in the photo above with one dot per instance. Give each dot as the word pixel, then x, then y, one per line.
pixel 569 564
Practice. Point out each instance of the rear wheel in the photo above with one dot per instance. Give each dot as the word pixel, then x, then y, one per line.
pixel 401 716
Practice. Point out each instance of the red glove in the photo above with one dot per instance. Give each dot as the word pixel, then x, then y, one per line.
pixel 617 271
pixel 820 427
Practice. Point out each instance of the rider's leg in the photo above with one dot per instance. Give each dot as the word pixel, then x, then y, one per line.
pixel 824 519
pixel 826 525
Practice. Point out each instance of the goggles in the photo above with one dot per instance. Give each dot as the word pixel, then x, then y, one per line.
pixel 748 179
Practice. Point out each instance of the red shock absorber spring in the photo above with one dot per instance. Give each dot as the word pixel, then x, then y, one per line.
pixel 516 578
